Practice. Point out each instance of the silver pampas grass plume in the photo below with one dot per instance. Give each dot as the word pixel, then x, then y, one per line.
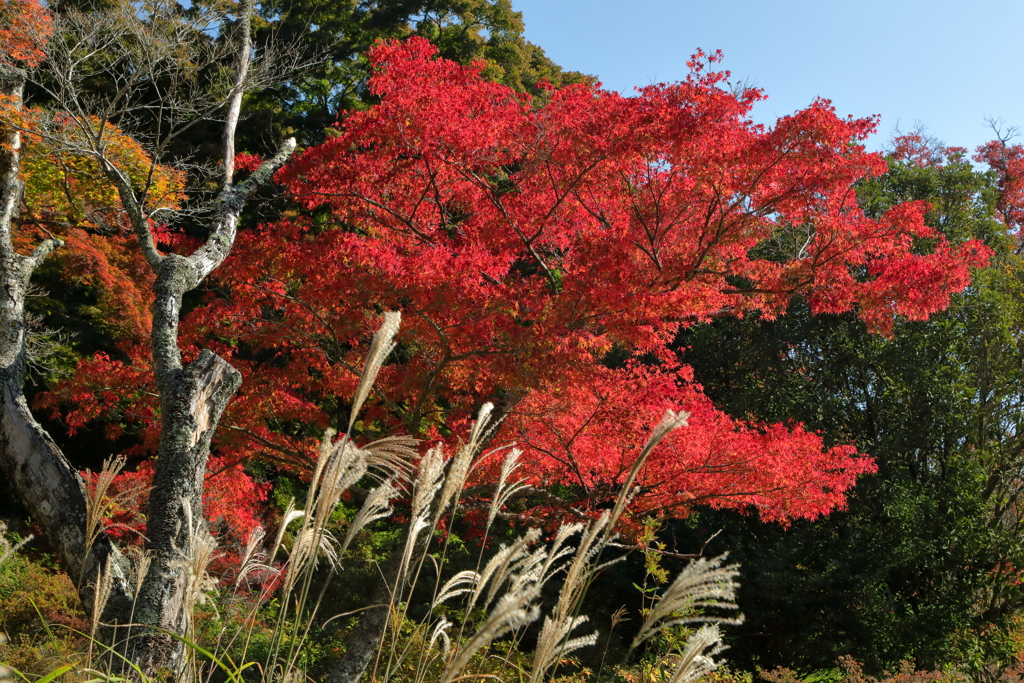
pixel 382 345
pixel 703 584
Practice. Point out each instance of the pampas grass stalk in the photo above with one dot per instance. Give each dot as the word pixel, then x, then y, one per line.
pixel 669 423
pixel 380 348
pixel 289 516
pixel 251 559
pixel 619 616
pixel 506 588
pixel 428 482
pixel 98 504
pixel 697 660
pixel 500 567
pixel 393 455
pixel 100 595
pixel 340 465
pixel 192 562
pixel 514 609
pixel 376 506
pixel 143 561
pixel 8 549
pixel 554 642
pixel 702 584
pixel 505 488
pixel 458 471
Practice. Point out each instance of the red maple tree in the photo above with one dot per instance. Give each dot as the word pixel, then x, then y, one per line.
pixel 1008 162
pixel 550 251
pixel 27 26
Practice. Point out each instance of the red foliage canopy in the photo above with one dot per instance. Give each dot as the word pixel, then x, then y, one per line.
pixel 553 249
pixel 1008 162
pixel 26 27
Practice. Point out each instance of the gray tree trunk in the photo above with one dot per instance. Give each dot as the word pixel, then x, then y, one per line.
pixel 362 645
pixel 192 399
pixel 36 468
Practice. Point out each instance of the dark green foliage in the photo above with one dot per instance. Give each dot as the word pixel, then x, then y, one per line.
pixel 334 37
pixel 921 565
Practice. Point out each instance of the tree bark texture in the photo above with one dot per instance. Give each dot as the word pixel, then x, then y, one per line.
pixel 193 397
pixel 362 645
pixel 51 491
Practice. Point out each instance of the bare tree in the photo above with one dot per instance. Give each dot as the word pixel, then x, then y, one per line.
pixel 35 467
pixel 163 71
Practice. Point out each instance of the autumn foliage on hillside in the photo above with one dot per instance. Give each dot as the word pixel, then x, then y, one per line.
pixel 68 196
pixel 549 251
pixel 26 27
pixel 1008 162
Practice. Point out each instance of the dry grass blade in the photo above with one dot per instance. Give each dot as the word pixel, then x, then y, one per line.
pixel 309 542
pixel 528 572
pixel 482 425
pixel 554 643
pixel 418 525
pixel 697 660
pixel 560 549
pixel 619 616
pixel 669 422
pixel 458 470
pixel 460 465
pixel 376 506
pixel 328 545
pixel 8 549
pixel 425 487
pixel 703 584
pixel 381 346
pixel 505 489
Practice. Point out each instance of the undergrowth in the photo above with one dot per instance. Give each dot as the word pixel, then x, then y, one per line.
pixel 487 620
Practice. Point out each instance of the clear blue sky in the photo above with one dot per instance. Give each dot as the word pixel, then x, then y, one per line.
pixel 947 64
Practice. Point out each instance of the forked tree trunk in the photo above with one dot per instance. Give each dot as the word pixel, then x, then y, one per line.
pixel 192 399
